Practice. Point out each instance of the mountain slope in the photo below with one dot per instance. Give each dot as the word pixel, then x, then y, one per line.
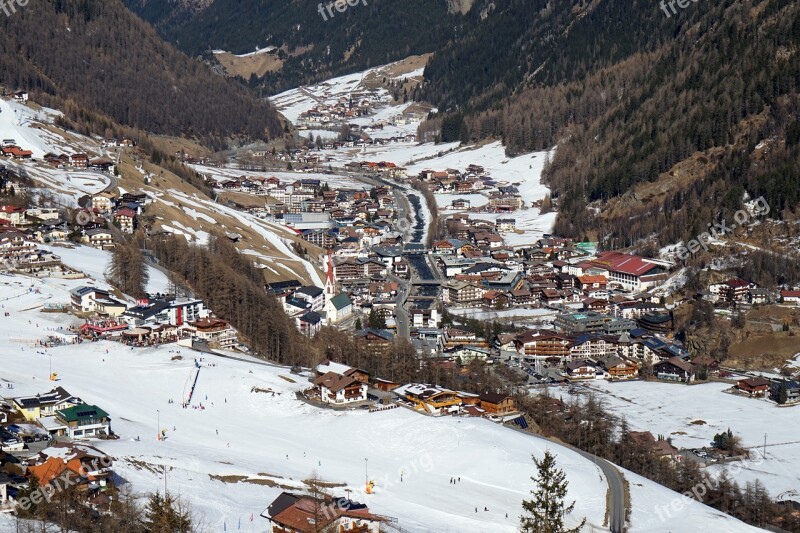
pixel 110 61
pixel 312 47
pixel 635 98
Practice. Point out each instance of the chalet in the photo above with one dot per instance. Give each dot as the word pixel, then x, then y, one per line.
pixel 42 405
pixel 789 297
pixel 21 96
pixel 375 342
pixel 430 399
pixel 101 163
pixel 660 447
pixel 14 243
pixel 618 368
pixel 79 160
pixel 216 332
pixel 497 404
pixel 506 225
pixel 581 370
pixel 125 219
pixel 85 299
pixel 339 389
pixel 754 386
pixel 674 369
pixel 81 421
pixel 296 513
pixel 98 238
pixel 544 345
pixel 14 215
pixel 16 152
pixel 86 467
pixel 103 202
pixel 463 294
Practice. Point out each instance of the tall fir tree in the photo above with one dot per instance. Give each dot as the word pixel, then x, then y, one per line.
pixel 546 511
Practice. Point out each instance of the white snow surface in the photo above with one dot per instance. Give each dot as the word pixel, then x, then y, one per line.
pixel 643 405
pixel 279 438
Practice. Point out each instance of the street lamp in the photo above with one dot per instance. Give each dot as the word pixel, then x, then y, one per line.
pixel 366 471
pixel 158 426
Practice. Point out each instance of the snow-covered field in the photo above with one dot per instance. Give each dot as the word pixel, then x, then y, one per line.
pixel 670 409
pixel 334 180
pixel 24 125
pixel 273 441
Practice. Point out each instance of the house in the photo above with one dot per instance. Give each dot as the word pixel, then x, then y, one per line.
pixel 790 388
pixel 216 332
pixel 79 160
pixel 296 513
pixel 21 96
pixel 47 404
pixel 660 447
pixel 309 323
pixel 14 215
pixel 674 369
pixel 790 297
pixel 497 404
pixel 618 368
pixel 81 421
pixel 581 370
pixel 375 342
pixel 430 399
pixel 84 299
pixel 757 386
pixel 125 219
pixel 313 295
pixel 85 466
pixel 98 238
pixel 339 389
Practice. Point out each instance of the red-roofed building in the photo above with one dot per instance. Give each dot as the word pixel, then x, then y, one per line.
pixel 632 272
pixel 14 215
pixel 790 297
pixel 295 513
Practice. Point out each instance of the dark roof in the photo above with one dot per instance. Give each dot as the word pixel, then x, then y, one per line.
pixel 311 291
pixel 311 318
pixel 492 397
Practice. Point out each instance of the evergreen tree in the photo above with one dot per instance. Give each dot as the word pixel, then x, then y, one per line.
pixel 166 515
pixel 546 511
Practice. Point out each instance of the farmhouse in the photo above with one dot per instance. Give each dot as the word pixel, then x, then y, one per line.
pixel 754 386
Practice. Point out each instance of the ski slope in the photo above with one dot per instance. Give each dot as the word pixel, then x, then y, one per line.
pixel 256 438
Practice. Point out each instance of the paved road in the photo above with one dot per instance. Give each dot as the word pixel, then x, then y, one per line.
pixel 401 313
pixel 617 487
pixel 616 483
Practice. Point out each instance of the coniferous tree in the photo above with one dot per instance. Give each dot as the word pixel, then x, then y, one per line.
pixel 546 511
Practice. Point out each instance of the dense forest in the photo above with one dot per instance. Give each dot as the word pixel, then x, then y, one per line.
pixel 313 48
pixel 630 95
pixel 109 61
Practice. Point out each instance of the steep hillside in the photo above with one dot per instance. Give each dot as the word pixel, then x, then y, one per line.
pixel 312 45
pixel 110 61
pixel 701 104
